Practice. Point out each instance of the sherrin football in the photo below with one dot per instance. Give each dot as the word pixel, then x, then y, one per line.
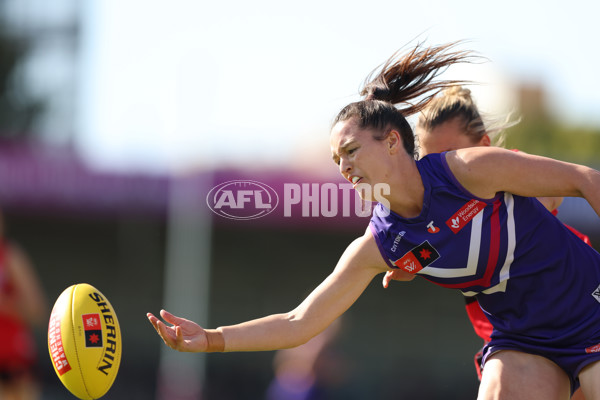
pixel 84 341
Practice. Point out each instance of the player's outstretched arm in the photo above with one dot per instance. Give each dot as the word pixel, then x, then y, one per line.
pixel 356 268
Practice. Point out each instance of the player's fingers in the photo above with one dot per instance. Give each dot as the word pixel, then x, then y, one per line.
pixel 170 318
pixel 178 337
pixel 164 333
pixel 153 320
pixel 387 279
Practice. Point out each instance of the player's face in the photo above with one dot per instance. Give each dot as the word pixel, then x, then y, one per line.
pixel 360 157
pixel 447 136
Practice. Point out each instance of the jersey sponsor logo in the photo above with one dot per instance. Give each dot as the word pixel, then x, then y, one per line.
pixel 463 216
pixel 418 258
pixel 397 240
pixel 494 255
pixel 596 294
pixel 593 349
pixel 431 228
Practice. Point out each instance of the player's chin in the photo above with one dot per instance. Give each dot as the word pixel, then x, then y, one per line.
pixel 368 199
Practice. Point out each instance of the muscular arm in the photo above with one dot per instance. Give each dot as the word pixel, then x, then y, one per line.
pixel 356 268
pixel 551 203
pixel 486 171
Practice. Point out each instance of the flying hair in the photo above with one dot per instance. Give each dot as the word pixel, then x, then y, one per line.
pixel 410 75
pixel 406 78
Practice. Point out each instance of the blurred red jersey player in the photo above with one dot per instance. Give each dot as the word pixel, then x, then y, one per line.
pixel 22 306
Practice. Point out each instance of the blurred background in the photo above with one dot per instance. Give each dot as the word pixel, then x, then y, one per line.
pixel 117 118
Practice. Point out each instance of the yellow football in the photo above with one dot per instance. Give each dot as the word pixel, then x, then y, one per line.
pixel 84 341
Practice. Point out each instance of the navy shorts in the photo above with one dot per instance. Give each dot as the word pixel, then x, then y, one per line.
pixel 572 359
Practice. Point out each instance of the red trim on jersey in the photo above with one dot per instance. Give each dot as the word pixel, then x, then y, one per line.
pixel 585 238
pixel 482 326
pixel 581 236
pixel 492 257
pixel 494 244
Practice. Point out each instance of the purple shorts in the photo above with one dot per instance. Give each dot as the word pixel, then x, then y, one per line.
pixel 572 359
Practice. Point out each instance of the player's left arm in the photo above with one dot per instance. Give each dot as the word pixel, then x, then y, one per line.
pixel 484 171
pixel 551 203
pixel 358 265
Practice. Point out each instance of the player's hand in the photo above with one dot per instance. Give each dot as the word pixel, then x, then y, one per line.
pixel 396 275
pixel 183 335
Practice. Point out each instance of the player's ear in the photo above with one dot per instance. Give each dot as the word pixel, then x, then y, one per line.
pixel 485 140
pixel 394 141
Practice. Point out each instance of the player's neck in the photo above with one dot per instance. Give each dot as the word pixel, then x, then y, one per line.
pixel 407 193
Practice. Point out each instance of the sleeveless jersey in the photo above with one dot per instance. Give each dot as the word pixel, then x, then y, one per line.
pixel 533 277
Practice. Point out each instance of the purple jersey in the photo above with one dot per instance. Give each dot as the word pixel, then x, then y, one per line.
pixel 533 277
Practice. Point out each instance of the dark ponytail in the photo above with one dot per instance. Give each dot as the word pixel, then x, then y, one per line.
pixel 402 78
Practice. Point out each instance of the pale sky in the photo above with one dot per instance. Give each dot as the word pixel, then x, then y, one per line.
pixel 193 84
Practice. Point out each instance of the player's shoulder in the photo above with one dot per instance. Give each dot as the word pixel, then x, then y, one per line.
pixel 479 154
pixel 481 160
pixel 480 170
pixel 365 251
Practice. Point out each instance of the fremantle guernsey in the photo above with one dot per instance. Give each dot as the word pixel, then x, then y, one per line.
pixel 536 281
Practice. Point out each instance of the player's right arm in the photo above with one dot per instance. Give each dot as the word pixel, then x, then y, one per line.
pixel 487 171
pixel 358 265
pixel 551 203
